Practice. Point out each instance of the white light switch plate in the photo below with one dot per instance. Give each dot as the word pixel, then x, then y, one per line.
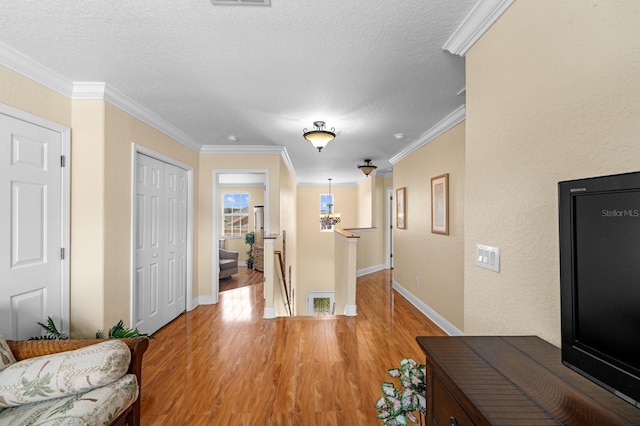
pixel 488 257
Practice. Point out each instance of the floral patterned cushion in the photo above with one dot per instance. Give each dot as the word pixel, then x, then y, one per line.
pixel 6 357
pixel 63 374
pixel 97 407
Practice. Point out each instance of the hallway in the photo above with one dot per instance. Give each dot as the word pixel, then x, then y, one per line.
pixel 225 365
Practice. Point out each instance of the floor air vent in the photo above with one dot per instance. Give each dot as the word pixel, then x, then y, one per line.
pixel 243 2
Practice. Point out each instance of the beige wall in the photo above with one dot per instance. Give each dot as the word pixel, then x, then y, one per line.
pixel 121 131
pixel 256 198
pixel 88 219
pixel 436 259
pixel 315 270
pixel 371 245
pixel 288 231
pixel 102 137
pixel 365 194
pixel 552 94
pixel 27 95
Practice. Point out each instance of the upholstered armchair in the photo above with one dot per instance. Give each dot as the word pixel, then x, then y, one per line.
pixel 228 263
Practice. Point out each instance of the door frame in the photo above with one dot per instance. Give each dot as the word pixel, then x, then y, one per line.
pixel 388 247
pixel 139 149
pixel 65 202
pixel 215 220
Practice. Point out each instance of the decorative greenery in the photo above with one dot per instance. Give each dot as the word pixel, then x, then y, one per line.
pixel 250 239
pixel 50 332
pixel 118 331
pixel 398 406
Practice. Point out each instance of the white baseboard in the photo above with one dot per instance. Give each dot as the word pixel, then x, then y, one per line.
pixel 351 310
pixel 269 312
pixel 448 328
pixel 202 300
pixel 370 270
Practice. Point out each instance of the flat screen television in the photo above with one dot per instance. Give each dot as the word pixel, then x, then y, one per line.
pixel 600 280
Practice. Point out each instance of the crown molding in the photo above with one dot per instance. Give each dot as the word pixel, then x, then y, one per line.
pixel 143 114
pixel 37 72
pixel 252 149
pixel 445 124
pixel 29 68
pixel 91 90
pixel 475 24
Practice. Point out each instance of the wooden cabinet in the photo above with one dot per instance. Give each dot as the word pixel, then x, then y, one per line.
pixel 258 258
pixel 512 381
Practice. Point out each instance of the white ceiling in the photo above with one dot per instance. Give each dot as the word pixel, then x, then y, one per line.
pixel 371 69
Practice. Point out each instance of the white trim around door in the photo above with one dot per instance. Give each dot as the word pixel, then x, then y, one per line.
pixel 65 205
pixel 139 149
pixel 215 221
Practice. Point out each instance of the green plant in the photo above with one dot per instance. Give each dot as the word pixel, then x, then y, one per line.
pixel 50 332
pixel 398 406
pixel 118 331
pixel 250 239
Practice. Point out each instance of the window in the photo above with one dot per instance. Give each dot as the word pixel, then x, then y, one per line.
pixel 326 206
pixel 320 303
pixel 235 214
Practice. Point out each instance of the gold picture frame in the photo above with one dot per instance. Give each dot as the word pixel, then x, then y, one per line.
pixel 440 204
pixel 401 208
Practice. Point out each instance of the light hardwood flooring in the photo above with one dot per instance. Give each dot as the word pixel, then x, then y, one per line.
pixel 244 277
pixel 225 365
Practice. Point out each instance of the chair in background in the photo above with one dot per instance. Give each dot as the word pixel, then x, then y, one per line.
pixel 228 263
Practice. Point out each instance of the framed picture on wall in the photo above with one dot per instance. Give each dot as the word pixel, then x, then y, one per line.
pixel 401 207
pixel 440 204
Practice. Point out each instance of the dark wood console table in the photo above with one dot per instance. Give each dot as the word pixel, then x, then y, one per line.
pixel 512 381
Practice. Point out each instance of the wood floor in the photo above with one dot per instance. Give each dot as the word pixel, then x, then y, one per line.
pixel 244 277
pixel 225 365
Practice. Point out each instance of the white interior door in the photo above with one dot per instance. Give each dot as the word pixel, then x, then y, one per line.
pixel 31 221
pixel 160 282
pixel 175 246
pixel 147 291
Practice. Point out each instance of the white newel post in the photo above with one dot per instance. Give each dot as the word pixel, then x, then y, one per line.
pixel 346 255
pixel 351 310
pixel 269 277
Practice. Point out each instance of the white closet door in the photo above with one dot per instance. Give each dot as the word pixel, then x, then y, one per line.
pixel 147 292
pixel 175 255
pixel 161 243
pixel 31 283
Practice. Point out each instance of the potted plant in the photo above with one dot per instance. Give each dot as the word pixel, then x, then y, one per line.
pixel 398 406
pixel 250 239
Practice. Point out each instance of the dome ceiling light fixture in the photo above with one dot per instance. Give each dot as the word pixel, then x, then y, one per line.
pixel 319 136
pixel 368 167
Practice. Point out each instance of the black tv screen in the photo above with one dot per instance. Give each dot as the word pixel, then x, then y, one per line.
pixel 600 280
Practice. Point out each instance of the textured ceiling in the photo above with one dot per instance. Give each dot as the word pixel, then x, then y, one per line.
pixel 370 69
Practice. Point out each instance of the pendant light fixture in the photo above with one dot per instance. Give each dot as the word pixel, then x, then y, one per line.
pixel 367 168
pixel 329 219
pixel 319 136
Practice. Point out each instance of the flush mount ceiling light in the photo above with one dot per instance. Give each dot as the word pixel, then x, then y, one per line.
pixel 319 136
pixel 367 168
